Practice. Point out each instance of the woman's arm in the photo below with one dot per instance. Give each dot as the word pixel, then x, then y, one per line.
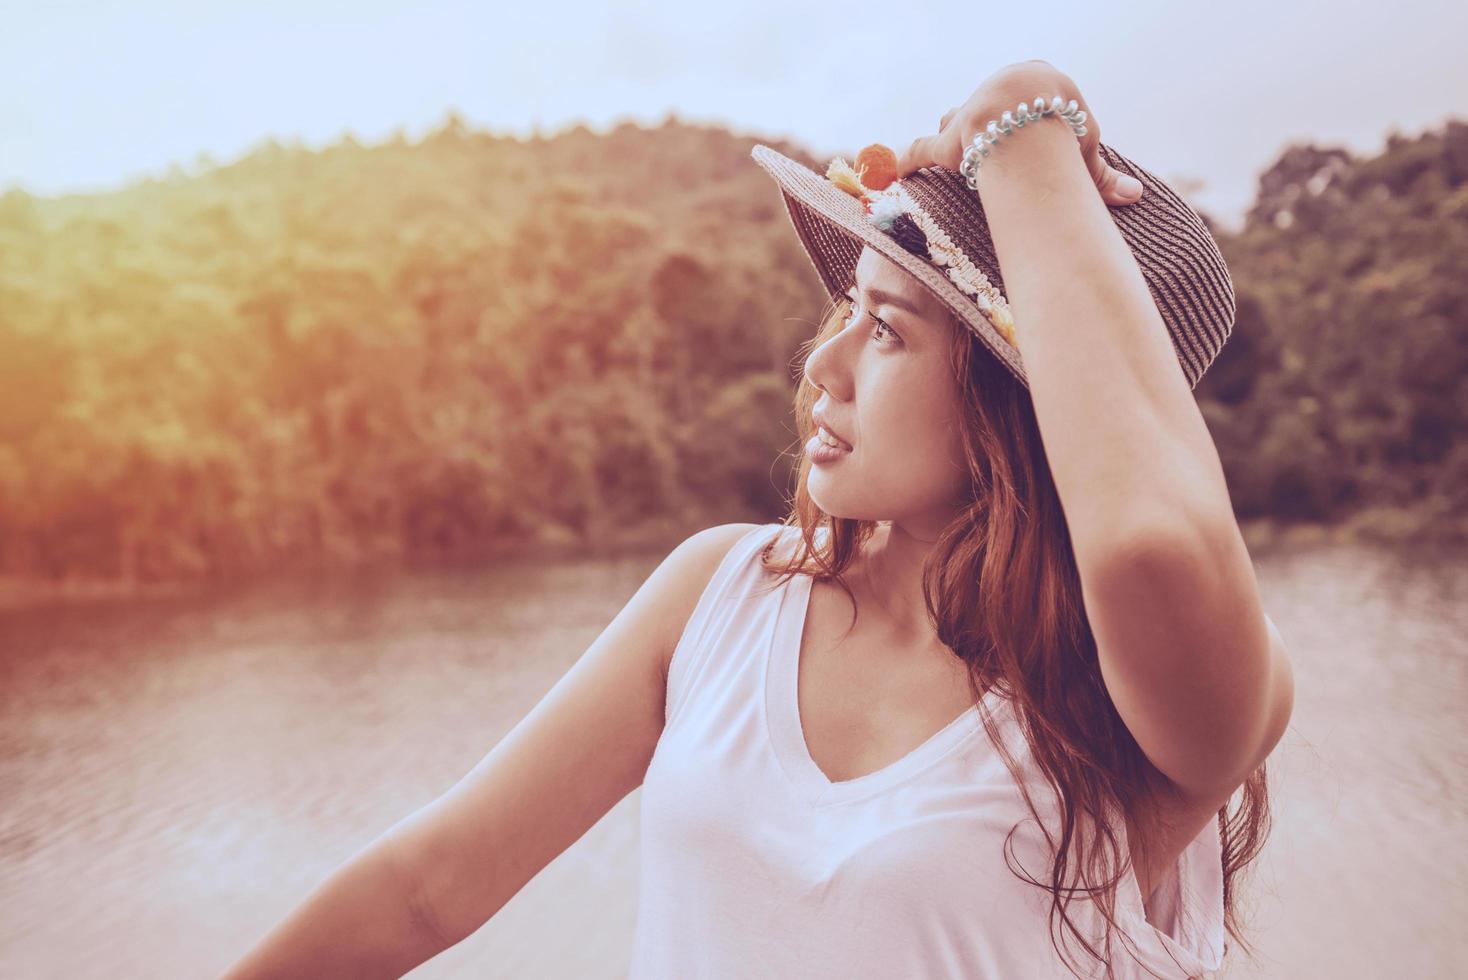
pixel 1123 435
pixel 1186 651
pixel 362 921
pixel 580 750
pixel 442 872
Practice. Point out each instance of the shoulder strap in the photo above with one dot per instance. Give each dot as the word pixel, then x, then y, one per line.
pixel 729 580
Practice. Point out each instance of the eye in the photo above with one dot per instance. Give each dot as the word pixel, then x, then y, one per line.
pixel 881 324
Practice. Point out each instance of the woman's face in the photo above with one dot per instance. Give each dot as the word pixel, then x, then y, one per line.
pixel 888 393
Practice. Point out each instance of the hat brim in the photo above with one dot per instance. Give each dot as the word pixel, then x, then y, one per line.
pixel 833 228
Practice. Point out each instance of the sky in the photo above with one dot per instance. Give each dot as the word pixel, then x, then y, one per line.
pixel 96 95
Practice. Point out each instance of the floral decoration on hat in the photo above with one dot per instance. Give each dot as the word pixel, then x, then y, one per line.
pixel 889 207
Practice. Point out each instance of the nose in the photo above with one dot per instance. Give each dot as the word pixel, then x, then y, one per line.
pixel 826 370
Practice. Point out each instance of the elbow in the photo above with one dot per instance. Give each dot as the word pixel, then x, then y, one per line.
pixel 1275 706
pixel 1201 673
pixel 1275 719
pixel 1281 698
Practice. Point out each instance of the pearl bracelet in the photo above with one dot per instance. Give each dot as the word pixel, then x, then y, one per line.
pixel 1008 123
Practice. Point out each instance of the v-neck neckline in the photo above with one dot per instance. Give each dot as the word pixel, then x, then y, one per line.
pixel 787 736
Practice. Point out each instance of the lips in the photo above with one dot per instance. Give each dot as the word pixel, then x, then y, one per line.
pixel 818 416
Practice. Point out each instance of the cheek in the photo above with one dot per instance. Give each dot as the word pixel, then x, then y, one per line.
pixel 917 428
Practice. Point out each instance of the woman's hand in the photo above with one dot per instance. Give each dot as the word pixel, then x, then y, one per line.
pixel 1005 89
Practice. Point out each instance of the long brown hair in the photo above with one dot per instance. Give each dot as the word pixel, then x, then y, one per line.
pixel 1003 587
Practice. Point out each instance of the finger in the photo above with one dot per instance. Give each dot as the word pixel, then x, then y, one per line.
pixel 925 151
pixel 1115 186
pixel 943 123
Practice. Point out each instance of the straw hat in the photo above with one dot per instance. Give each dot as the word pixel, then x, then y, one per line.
pixel 1180 261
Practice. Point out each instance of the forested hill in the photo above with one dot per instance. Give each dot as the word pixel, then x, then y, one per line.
pixel 1343 395
pixel 412 349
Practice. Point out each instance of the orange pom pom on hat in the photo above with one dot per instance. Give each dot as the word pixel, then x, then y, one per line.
pixel 931 224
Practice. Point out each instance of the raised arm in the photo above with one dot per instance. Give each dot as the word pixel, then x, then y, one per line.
pixel 439 874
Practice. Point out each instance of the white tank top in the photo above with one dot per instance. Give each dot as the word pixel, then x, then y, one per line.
pixel 755 865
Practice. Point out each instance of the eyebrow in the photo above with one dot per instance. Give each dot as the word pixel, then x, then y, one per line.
pixel 884 298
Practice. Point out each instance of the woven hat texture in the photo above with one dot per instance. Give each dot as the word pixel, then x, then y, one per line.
pixel 1179 258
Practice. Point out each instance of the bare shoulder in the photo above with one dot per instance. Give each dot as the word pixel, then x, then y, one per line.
pixel 585 745
pixel 685 573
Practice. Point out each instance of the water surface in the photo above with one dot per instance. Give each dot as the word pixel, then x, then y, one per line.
pixel 179 772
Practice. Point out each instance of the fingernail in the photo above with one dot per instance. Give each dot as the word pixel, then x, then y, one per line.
pixel 1129 186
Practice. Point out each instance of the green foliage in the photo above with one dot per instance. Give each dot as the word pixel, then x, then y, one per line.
pixel 396 351
pixel 1344 388
pixel 369 353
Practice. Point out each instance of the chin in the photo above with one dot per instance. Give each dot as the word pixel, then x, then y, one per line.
pixel 826 492
pixel 852 497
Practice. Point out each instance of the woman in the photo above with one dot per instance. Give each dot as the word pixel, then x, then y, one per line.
pixel 978 707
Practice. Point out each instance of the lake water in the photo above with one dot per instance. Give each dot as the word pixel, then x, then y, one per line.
pixel 179 772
